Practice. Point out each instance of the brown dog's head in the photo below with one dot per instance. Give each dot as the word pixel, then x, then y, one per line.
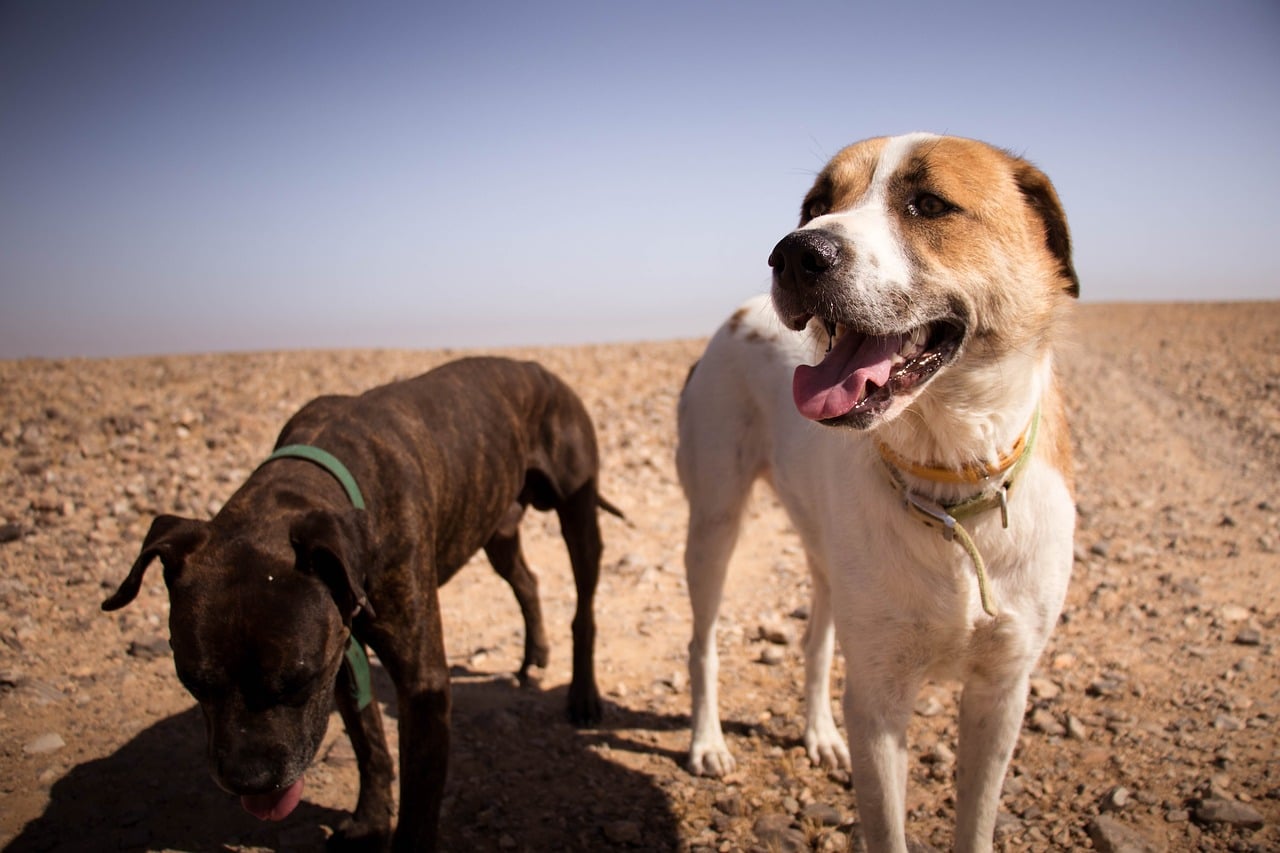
pixel 258 622
pixel 915 253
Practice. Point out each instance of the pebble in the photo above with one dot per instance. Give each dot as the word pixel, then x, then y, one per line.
pixel 772 656
pixel 1043 721
pixel 44 744
pixel 1248 637
pixel 622 832
pixel 822 814
pixel 1229 812
pixel 775 832
pixel 1111 836
pixel 1115 799
pixel 157 647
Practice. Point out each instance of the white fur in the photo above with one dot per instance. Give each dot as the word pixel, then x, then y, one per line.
pixel 903 601
pixel 881 266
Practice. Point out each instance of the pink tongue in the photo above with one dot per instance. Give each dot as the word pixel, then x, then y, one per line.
pixel 276 805
pixel 833 387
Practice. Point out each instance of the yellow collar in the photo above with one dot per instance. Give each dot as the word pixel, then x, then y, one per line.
pixel 973 473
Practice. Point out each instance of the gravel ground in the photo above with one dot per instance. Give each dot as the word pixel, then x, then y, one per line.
pixel 1152 725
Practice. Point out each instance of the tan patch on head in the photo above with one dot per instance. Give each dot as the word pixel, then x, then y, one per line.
pixel 1003 245
pixel 735 322
pixel 844 180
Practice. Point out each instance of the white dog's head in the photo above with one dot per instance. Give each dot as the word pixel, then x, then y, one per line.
pixel 916 254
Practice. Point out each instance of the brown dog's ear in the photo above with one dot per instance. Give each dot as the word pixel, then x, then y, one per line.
pixel 332 547
pixel 1043 198
pixel 170 538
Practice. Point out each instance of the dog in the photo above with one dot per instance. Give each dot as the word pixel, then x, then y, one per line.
pixel 898 393
pixel 266 598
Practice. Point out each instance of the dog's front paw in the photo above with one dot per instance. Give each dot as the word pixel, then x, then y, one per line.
pixel 711 760
pixel 355 837
pixel 826 748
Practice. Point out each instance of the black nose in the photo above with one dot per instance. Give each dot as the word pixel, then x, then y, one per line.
pixel 801 257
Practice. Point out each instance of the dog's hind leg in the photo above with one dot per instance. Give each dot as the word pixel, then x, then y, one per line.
pixel 369 827
pixel 822 740
pixel 507 559
pixel 580 526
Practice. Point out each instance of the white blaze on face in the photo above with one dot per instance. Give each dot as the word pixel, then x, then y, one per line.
pixel 880 264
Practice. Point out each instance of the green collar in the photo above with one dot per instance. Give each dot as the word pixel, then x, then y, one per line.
pixel 356 659
pixel 328 462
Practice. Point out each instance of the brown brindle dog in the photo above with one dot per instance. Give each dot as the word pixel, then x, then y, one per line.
pixel 265 597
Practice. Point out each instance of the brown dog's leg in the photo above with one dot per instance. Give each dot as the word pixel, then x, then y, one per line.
pixel 581 529
pixel 369 827
pixel 414 656
pixel 507 559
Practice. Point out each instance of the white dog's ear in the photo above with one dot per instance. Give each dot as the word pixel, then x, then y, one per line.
pixel 1043 199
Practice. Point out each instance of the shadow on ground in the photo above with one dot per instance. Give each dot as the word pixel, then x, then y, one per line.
pixel 521 778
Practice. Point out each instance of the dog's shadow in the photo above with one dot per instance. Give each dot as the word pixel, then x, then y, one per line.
pixel 520 777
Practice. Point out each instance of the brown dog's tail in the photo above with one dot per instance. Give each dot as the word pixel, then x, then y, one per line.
pixel 608 507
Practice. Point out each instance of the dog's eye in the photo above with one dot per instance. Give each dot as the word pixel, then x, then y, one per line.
pixel 813 209
pixel 929 206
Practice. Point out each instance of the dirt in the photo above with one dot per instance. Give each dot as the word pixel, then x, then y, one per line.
pixel 1153 720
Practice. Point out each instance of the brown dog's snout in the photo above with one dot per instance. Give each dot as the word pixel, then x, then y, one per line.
pixel 801 259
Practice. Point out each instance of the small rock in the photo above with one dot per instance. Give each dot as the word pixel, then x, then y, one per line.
pixel 46 743
pixel 1044 721
pixel 1101 548
pixel 1230 812
pixel 776 634
pixel 10 533
pixel 1235 613
pixel 157 647
pixel 1075 729
pixel 1115 799
pixel 622 832
pixel 730 803
pixel 771 656
pixel 822 814
pixel 1248 637
pixel 1111 836
pixel 775 832
pixel 1227 723
pixel 1043 688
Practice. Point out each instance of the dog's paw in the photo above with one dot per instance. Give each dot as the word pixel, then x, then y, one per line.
pixel 354 837
pixel 827 749
pixel 714 760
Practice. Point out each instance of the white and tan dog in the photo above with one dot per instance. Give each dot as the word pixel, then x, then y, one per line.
pixel 924 459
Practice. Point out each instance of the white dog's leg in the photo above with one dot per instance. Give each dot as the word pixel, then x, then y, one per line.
pixel 822 739
pixel 876 717
pixel 711 539
pixel 990 719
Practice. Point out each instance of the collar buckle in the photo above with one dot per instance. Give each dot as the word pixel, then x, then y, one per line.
pixel 931 513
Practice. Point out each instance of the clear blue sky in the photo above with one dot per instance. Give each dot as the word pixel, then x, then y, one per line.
pixel 183 176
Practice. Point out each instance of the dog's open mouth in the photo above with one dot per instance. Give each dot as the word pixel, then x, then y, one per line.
pixel 861 373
